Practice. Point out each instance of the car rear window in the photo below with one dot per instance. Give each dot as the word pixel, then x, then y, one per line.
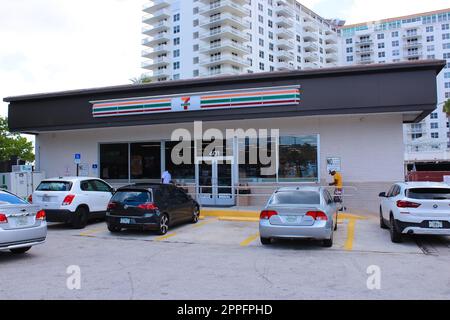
pixel 132 196
pixel 54 186
pixel 296 197
pixel 429 193
pixel 6 198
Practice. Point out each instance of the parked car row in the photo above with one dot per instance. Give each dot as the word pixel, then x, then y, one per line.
pixel 76 200
pixel 290 213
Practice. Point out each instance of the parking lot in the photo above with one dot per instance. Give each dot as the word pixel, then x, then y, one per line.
pixel 222 258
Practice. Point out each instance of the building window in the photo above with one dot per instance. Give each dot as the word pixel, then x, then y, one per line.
pixel 176 17
pixel 176 29
pixel 349 41
pixel 114 161
pixel 434 125
pixel 435 135
pixel 349 58
pixel 145 161
pixel 298 159
pixel 434 115
pixel 184 172
pixel 176 65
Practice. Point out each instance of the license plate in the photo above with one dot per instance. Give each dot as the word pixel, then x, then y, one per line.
pixel 125 221
pixel 21 221
pixel 436 224
pixel 45 199
pixel 291 219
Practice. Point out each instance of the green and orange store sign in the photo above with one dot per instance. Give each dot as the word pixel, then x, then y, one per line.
pixel 246 98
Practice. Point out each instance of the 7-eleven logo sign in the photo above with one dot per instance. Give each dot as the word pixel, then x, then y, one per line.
pixel 186 102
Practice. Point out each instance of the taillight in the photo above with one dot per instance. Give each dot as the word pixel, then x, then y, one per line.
pixel 68 200
pixel 112 205
pixel 148 206
pixel 407 204
pixel 40 215
pixel 267 214
pixel 317 215
pixel 30 198
pixel 3 218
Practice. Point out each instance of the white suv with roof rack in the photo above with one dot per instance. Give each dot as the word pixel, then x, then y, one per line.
pixel 73 200
pixel 416 208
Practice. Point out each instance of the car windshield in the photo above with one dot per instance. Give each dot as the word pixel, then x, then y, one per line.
pixel 295 197
pixel 129 196
pixel 54 186
pixel 429 193
pixel 6 198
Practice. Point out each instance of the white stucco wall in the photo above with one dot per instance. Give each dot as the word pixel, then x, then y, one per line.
pixel 371 147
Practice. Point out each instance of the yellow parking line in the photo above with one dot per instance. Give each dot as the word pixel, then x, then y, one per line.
pixel 167 236
pixel 91 232
pixel 249 240
pixel 350 235
pixel 239 219
pixel 201 224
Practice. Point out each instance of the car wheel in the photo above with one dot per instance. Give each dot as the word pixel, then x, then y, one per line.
pixel 20 250
pixel 163 225
pixel 396 237
pixel 382 224
pixel 114 229
pixel 196 215
pixel 80 218
pixel 266 241
pixel 336 226
pixel 328 243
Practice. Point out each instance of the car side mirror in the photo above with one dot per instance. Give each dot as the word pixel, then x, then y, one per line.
pixel 382 195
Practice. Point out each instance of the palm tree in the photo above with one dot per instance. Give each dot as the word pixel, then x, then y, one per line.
pixel 141 80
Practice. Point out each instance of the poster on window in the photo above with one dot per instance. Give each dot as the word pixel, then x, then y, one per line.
pixel 334 164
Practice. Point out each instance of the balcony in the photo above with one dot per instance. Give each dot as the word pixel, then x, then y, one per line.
pixel 329 48
pixel 310 26
pixel 310 65
pixel 284 33
pixel 162 25
pixel 284 10
pixel 225 18
pixel 413 54
pixel 284 22
pixel 222 72
pixel 155 5
pixel 310 36
pixel 412 35
pixel 412 44
pixel 225 32
pixel 224 46
pixel 225 59
pixel 364 51
pixel 285 55
pixel 366 61
pixel 155 51
pixel 285 44
pixel 330 58
pixel 162 14
pixel 225 6
pixel 284 65
pixel 364 42
pixel 310 46
pixel 311 56
pixel 161 73
pixel 156 63
pixel 151 41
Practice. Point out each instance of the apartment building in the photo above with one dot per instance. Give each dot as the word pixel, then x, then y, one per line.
pixel 409 38
pixel 200 38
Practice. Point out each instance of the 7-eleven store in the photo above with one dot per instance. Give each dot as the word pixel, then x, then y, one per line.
pixel 268 129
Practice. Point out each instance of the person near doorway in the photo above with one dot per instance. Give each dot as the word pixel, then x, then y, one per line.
pixel 338 184
pixel 166 177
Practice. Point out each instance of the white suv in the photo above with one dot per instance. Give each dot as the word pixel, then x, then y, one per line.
pixel 416 208
pixel 73 200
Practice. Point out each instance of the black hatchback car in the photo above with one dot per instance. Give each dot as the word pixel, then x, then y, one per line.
pixel 150 207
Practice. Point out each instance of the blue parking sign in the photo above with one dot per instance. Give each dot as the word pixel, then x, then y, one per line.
pixel 77 158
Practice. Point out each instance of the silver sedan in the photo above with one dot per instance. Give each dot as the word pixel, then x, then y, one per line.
pixel 22 225
pixel 299 213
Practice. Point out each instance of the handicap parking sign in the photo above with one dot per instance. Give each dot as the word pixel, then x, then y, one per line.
pixel 77 158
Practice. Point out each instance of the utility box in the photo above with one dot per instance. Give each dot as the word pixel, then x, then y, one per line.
pixel 21 184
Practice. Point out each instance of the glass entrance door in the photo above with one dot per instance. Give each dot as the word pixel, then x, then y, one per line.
pixel 215 181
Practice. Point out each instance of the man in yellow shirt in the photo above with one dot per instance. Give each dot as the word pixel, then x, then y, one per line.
pixel 338 183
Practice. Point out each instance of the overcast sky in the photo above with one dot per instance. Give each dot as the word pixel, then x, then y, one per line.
pixel 51 45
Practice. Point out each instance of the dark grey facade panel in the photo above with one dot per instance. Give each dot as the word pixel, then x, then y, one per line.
pixel 379 89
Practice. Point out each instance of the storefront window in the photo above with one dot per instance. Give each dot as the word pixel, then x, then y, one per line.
pixel 298 159
pixel 251 166
pixel 114 161
pixel 145 161
pixel 184 172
